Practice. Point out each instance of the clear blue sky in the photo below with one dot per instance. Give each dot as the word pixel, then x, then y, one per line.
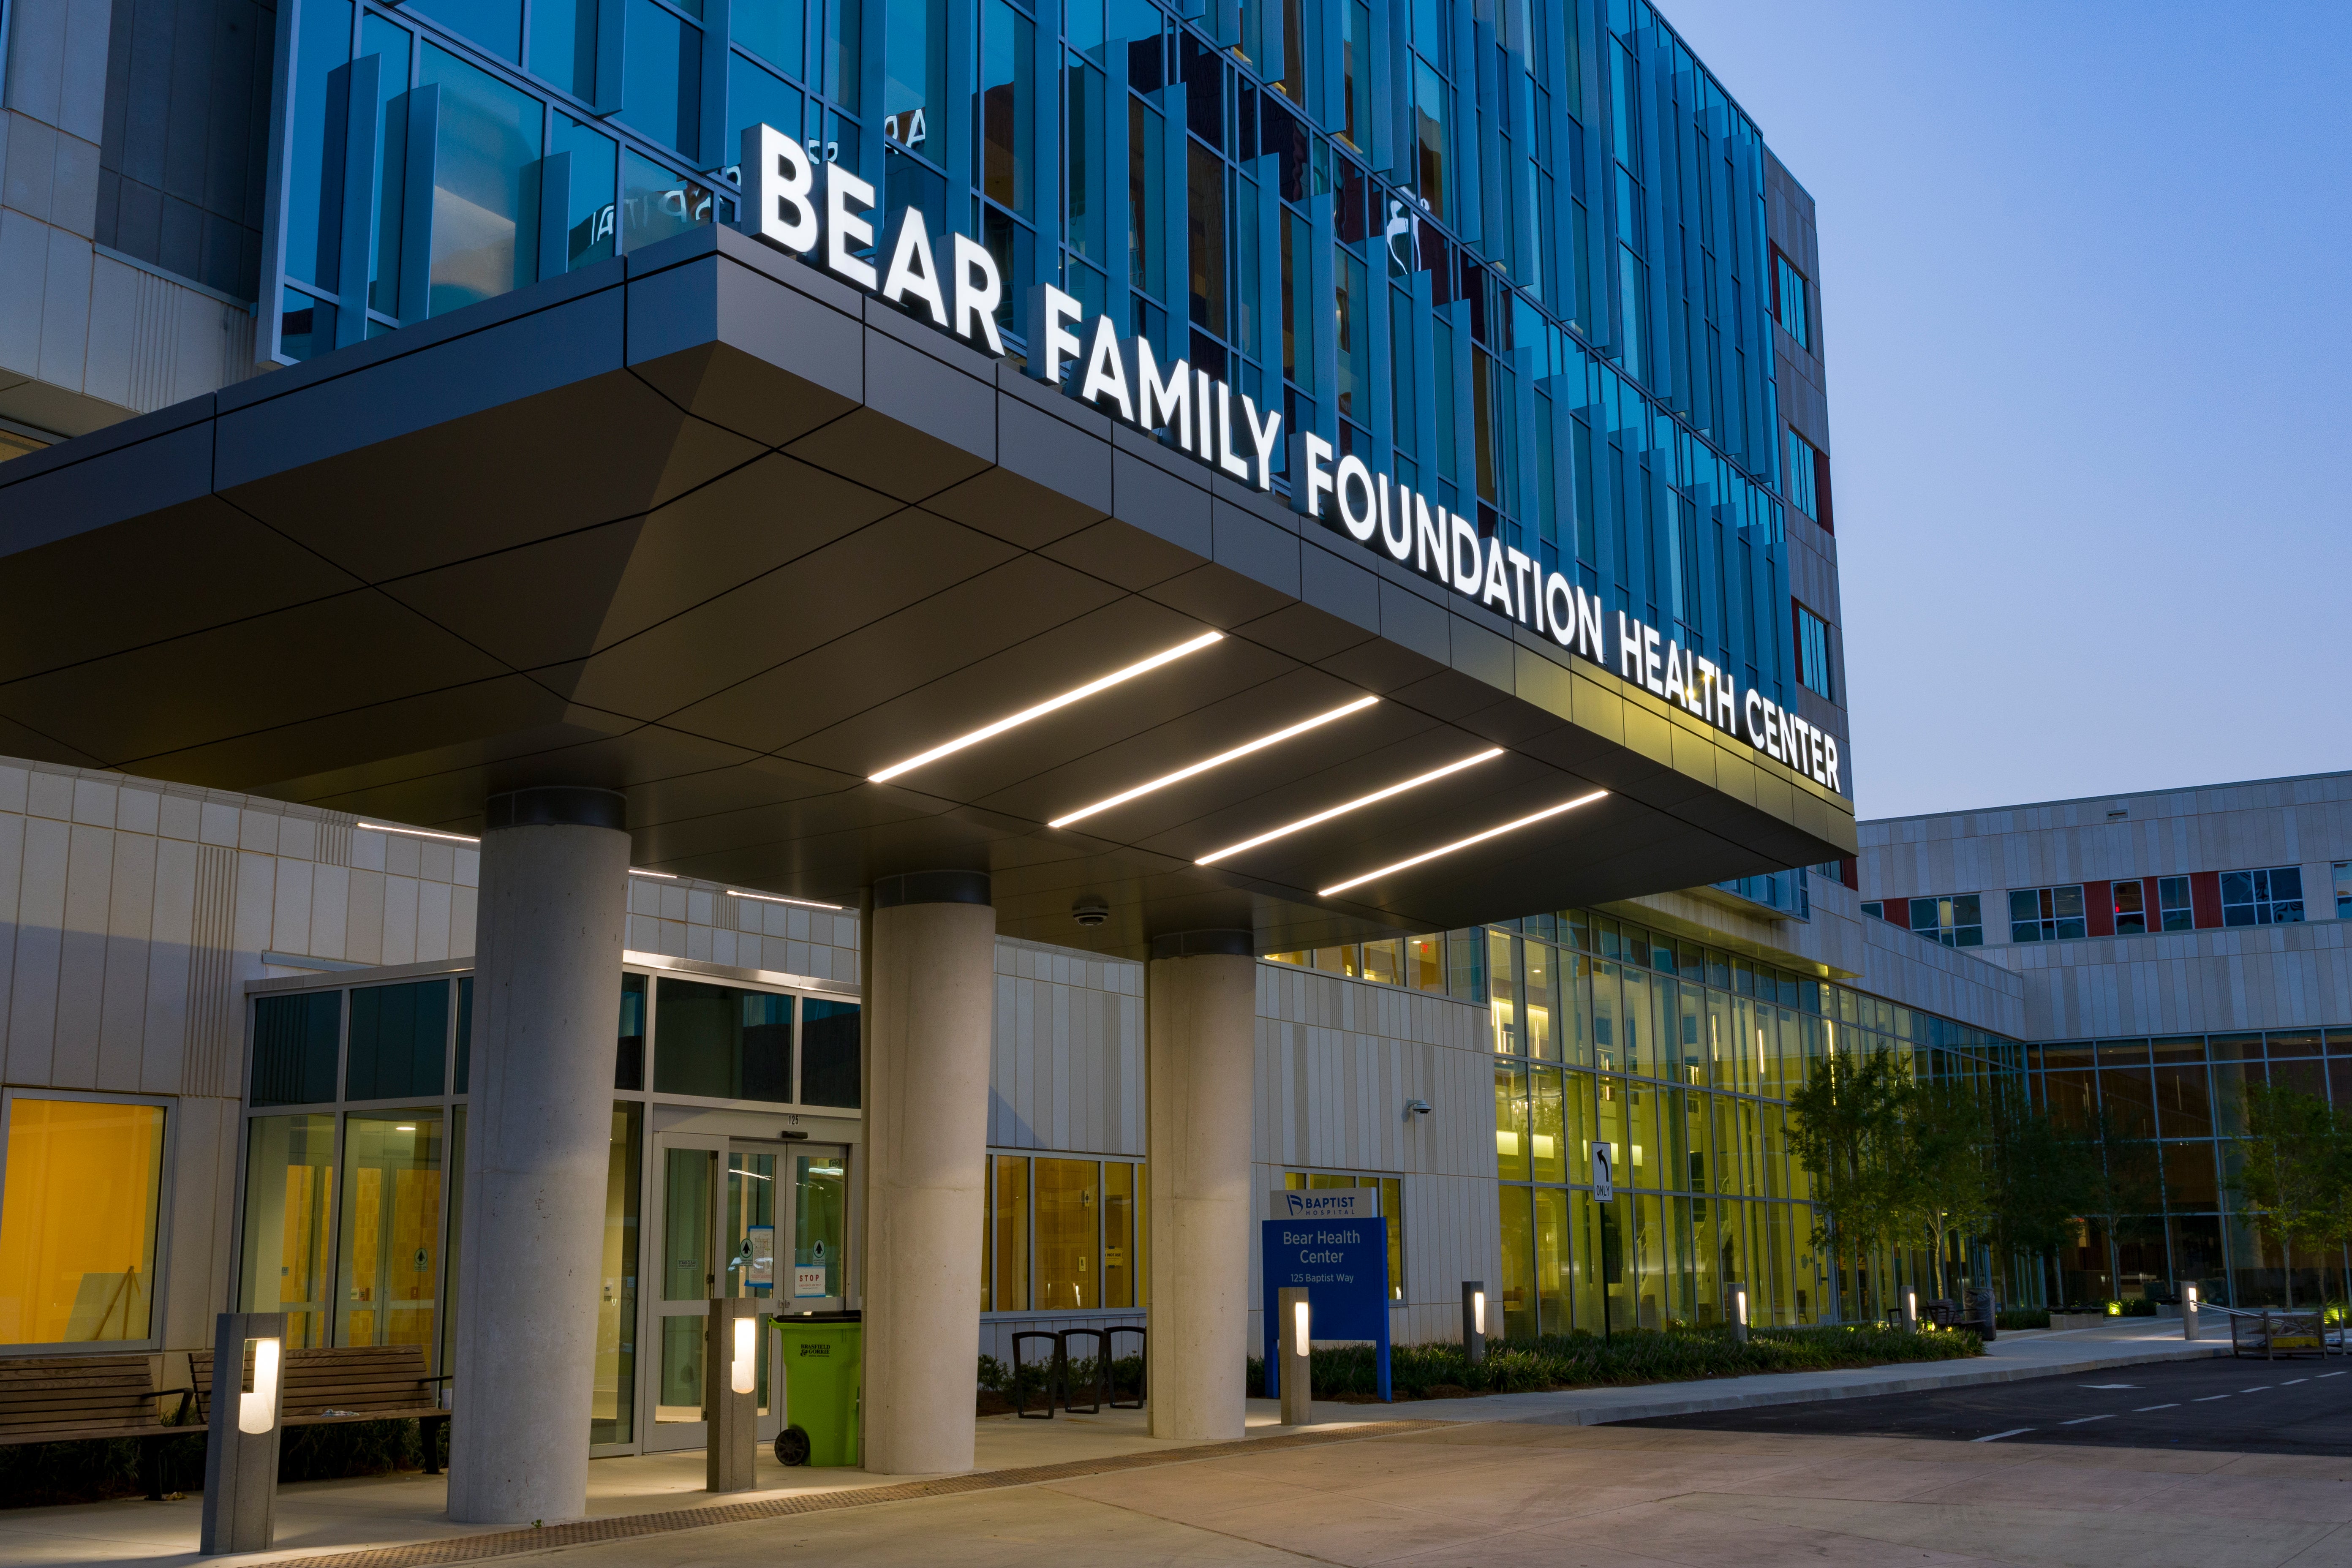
pixel 2085 284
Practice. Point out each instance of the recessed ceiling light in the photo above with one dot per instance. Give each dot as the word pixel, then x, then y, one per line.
pixel 780 898
pixel 415 832
pixel 1048 706
pixel 1463 843
pixel 1221 758
pixel 1357 804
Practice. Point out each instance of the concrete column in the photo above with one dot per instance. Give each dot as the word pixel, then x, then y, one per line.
pixel 1201 1053
pixel 929 1002
pixel 547 1000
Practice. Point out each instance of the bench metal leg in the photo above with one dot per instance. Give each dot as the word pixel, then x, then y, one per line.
pixel 150 1467
pixel 430 1427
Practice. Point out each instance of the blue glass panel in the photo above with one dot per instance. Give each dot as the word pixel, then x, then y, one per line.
pixel 663 86
pixel 325 43
pixel 489 133
pixel 392 46
pixel 775 30
pixel 915 73
pixel 305 326
pixel 563 44
pixel 756 97
pixel 593 218
pixel 495 26
pixel 656 204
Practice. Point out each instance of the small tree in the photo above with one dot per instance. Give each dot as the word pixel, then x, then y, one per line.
pixel 2039 1180
pixel 1845 1126
pixel 2296 1178
pixel 1941 1175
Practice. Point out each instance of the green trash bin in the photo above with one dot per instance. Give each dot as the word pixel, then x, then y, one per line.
pixel 820 1357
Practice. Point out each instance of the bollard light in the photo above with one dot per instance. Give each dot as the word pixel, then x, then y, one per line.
pixel 1298 1325
pixel 1739 1303
pixel 1911 1307
pixel 2192 1297
pixel 257 1412
pixel 1479 1310
pixel 742 1379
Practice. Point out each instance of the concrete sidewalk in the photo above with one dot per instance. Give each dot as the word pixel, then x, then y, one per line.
pixel 2029 1352
pixel 401 1517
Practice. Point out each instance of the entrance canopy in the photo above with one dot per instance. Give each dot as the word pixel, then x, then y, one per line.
pixel 706 526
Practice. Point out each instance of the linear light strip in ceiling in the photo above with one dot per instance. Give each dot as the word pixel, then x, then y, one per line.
pixel 1048 706
pixel 468 838
pixel 415 832
pixel 779 899
pixel 1221 758
pixel 1463 843
pixel 1356 805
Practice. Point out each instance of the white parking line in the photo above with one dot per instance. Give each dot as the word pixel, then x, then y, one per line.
pixel 2208 1399
pixel 2080 1419
pixel 2257 1388
pixel 2291 1382
pixel 2174 1406
pixel 1997 1437
pixel 2331 1374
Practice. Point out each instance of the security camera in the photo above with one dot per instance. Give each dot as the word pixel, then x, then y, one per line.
pixel 1416 1108
pixel 1090 913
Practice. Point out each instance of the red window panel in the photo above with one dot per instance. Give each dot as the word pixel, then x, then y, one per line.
pixel 2205 898
pixel 1822 490
pixel 1850 873
pixel 2099 907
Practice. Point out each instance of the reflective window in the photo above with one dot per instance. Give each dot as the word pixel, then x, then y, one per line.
pixel 79 1195
pixel 2272 897
pixel 2177 909
pixel 829 1052
pixel 722 1042
pixel 487 135
pixel 400 1035
pixel 2046 914
pixel 296 1040
pixel 1955 921
pixel 1789 304
pixel 1814 653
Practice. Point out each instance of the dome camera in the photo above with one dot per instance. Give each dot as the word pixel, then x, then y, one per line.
pixel 1090 913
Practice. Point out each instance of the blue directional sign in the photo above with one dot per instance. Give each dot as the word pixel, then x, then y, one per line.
pixel 1343 1265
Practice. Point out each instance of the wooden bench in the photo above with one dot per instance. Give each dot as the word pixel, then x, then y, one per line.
pixel 358 1382
pixel 90 1398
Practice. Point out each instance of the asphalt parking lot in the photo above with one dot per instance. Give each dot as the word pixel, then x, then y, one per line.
pixel 2231 1404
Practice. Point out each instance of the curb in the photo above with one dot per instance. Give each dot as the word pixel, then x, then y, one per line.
pixel 1708 1403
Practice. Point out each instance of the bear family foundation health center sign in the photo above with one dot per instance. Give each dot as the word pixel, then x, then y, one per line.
pixel 1333 1245
pixel 828 214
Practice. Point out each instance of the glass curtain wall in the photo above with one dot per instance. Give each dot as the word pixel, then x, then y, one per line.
pixel 2164 1112
pixel 1679 1058
pixel 355 1161
pixel 1516 259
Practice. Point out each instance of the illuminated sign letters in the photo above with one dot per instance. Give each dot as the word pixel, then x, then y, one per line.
pixel 954 282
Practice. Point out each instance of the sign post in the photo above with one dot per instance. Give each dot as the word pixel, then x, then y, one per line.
pixel 1331 1244
pixel 1604 1192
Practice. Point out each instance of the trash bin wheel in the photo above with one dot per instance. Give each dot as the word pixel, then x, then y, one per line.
pixel 791 1447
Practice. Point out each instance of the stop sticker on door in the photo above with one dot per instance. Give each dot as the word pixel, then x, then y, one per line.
pixel 809 1281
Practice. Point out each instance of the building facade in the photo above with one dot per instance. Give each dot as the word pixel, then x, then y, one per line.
pixel 2175 946
pixel 1010 590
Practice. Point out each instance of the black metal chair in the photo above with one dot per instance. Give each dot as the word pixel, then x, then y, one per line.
pixel 1054 1368
pixel 1143 1364
pixel 1095 1384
